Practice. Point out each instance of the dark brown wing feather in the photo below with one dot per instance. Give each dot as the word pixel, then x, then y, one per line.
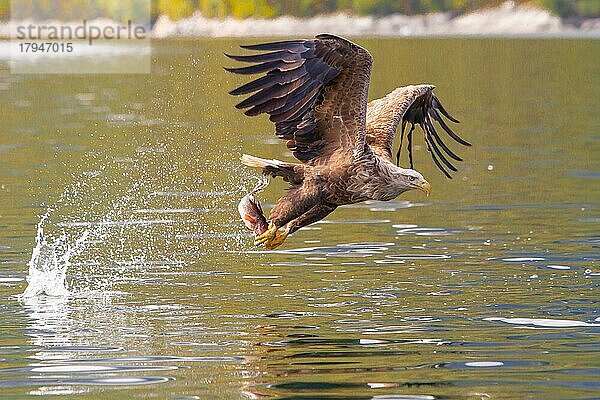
pixel 414 105
pixel 315 91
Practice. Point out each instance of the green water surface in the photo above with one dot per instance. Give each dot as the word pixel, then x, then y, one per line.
pixel 487 289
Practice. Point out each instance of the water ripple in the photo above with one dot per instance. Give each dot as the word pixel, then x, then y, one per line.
pixel 543 322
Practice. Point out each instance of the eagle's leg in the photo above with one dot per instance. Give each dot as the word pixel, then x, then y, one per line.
pixel 316 213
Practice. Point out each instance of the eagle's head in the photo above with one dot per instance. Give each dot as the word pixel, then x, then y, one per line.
pixel 410 179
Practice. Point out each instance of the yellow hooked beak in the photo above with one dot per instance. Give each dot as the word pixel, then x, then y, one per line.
pixel 425 187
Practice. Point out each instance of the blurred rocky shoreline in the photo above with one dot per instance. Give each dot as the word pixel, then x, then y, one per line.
pixel 505 20
pixel 509 19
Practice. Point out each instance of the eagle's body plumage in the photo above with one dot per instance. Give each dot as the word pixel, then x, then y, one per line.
pixel 315 91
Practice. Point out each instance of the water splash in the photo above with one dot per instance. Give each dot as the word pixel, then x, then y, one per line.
pixel 50 260
pixel 121 230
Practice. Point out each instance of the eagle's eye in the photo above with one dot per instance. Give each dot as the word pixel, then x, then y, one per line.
pixel 411 178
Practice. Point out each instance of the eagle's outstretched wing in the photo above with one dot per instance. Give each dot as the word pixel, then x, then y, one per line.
pixel 315 91
pixel 413 105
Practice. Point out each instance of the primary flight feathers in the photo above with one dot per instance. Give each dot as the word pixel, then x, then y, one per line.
pixel 315 91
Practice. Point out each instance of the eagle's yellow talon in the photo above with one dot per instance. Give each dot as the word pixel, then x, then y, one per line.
pixel 271 238
pixel 268 235
pixel 261 239
pixel 277 240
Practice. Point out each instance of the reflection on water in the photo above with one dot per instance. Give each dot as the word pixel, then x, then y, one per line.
pixel 485 290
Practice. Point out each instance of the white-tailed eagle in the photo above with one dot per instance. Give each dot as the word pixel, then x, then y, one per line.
pixel 315 91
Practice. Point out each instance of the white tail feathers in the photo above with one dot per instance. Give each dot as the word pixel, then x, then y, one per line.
pixel 258 162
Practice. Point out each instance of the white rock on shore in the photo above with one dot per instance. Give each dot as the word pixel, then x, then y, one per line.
pixel 507 19
pixel 199 26
pixel 592 24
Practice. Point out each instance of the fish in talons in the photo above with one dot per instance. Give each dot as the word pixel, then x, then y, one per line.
pixel 254 219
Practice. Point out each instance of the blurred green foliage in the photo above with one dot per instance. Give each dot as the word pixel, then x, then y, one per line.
pixel 75 10
pixel 177 9
pixel 571 8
